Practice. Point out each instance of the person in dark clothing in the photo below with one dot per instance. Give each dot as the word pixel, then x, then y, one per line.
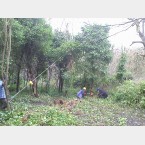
pixel 102 93
pixel 3 101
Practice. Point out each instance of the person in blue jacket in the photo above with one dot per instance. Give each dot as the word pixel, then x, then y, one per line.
pixel 3 101
pixel 81 93
pixel 102 93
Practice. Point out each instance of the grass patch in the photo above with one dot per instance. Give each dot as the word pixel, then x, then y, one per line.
pixel 91 111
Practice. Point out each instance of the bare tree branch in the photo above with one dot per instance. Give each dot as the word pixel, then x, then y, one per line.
pixel 117 25
pixel 138 42
pixel 141 34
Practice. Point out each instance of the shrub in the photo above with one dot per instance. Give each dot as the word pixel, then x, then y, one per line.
pixel 142 102
pixel 142 88
pixel 41 116
pixel 122 121
pixel 121 67
pixel 54 117
pixel 51 117
pixel 129 93
pixel 12 87
pixel 128 76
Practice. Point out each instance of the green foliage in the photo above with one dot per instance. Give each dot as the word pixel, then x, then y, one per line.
pixel 18 35
pixel 142 102
pixel 130 93
pixel 95 53
pixel 107 82
pixel 122 121
pixel 127 93
pixel 65 49
pixel 37 42
pixel 142 93
pixel 54 117
pixel 12 87
pixel 60 38
pixel 53 91
pixel 127 76
pixel 91 111
pixel 142 88
pixel 4 116
pixel 121 67
pixel 41 116
pixel 62 50
pixel 72 92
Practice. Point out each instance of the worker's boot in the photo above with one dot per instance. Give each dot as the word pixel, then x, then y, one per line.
pixel 4 103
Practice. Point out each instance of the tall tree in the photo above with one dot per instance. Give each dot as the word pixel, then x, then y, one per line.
pixel 38 38
pixel 63 46
pixel 18 41
pixel 121 70
pixel 6 50
pixel 95 52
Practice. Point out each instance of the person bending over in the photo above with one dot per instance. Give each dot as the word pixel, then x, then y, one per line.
pixel 102 93
pixel 81 93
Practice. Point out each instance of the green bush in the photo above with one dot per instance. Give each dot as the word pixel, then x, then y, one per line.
pixel 121 70
pixel 53 91
pixel 4 116
pixel 109 82
pixel 122 121
pixel 12 87
pixel 127 76
pixel 129 93
pixel 54 117
pixel 41 116
pixel 72 91
pixel 142 88
pixel 142 102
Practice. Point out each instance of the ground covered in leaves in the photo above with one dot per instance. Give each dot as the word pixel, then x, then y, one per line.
pixel 91 111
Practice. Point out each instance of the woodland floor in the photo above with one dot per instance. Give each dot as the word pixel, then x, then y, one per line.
pixel 91 111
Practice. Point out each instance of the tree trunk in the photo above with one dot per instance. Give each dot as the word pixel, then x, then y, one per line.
pixel 4 47
pixel 35 92
pixel 6 53
pixel 141 33
pixel 49 74
pixel 93 73
pixel 18 79
pixel 60 87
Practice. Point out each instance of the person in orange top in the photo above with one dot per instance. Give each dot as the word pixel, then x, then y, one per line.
pixel 91 92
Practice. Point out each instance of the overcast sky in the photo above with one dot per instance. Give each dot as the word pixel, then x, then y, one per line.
pixel 122 39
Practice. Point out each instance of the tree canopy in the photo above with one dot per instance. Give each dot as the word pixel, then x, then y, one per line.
pixel 34 47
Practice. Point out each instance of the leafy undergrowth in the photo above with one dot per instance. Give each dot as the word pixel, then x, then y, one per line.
pixel 30 111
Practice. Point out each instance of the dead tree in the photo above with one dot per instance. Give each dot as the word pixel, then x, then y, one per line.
pixel 140 31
